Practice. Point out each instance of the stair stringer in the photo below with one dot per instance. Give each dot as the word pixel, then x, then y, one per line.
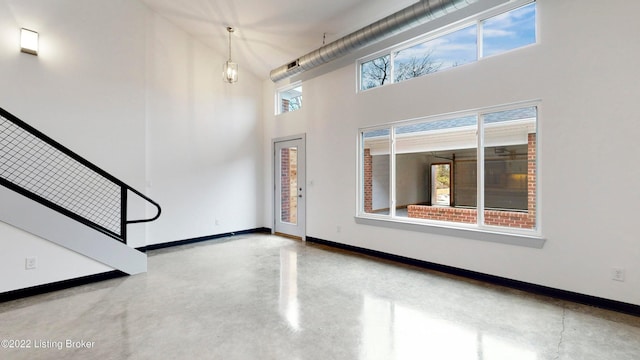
pixel 28 215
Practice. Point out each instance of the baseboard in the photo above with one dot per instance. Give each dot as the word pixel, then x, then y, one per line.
pixel 59 285
pixel 602 303
pixel 84 280
pixel 262 230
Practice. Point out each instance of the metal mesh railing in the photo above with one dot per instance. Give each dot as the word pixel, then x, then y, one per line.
pixel 34 165
pixel 43 170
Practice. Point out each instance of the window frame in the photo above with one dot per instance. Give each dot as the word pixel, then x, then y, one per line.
pixel 480 231
pixel 279 97
pixel 476 20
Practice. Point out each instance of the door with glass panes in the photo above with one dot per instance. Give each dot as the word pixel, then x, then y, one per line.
pixel 289 197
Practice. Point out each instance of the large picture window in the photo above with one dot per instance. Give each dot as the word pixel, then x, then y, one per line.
pixel 473 169
pixel 497 33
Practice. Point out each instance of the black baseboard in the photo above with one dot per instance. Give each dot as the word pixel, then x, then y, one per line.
pixel 59 285
pixel 84 280
pixel 262 230
pixel 603 303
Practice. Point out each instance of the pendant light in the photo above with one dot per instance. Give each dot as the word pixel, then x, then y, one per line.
pixel 230 69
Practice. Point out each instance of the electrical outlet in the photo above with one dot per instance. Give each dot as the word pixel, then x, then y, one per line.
pixel 338 228
pixel 617 274
pixel 30 263
pixel 217 222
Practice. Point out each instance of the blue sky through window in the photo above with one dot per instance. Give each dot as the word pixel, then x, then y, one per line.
pixel 504 32
pixel 454 49
pixel 510 30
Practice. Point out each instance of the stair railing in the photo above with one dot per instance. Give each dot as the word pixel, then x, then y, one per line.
pixel 38 167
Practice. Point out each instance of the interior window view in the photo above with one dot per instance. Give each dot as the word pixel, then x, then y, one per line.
pixel 436 169
pixel 319 180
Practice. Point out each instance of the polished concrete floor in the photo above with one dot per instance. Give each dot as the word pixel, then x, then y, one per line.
pixel 265 297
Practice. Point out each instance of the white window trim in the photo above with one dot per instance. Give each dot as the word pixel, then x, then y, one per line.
pixel 479 231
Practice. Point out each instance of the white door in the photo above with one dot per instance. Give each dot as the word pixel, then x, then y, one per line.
pixel 289 177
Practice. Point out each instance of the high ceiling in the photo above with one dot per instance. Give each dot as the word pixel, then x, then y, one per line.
pixel 270 33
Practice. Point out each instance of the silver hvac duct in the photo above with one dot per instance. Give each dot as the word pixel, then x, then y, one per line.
pixel 417 14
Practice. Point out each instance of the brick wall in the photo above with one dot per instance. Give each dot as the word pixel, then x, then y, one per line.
pixel 285 189
pixel 491 217
pixel 368 181
pixel 511 219
pixel 443 213
pixel 293 185
pixel 288 185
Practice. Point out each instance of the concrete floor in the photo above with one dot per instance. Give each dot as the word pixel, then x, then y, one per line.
pixel 265 297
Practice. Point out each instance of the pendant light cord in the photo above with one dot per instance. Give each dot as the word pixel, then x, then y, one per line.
pixel 230 30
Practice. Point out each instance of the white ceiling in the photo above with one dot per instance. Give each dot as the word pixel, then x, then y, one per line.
pixel 271 33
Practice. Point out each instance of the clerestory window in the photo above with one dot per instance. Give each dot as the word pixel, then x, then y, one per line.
pixel 289 99
pixel 496 34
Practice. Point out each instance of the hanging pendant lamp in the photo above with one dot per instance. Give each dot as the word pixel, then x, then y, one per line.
pixel 230 68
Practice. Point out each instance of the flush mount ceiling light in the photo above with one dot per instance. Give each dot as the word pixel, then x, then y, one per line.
pixel 230 69
pixel 28 41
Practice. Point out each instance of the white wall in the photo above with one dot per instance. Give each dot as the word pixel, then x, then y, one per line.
pixel 125 89
pixel 380 182
pixel 584 73
pixel 205 140
pixel 86 87
pixel 85 90
pixel 411 176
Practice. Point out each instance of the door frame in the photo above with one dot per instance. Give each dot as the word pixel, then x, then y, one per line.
pixel 274 178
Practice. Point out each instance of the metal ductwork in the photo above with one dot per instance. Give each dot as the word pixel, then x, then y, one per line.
pixel 417 14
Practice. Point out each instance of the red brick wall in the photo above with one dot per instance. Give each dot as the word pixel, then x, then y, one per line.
pixel 469 216
pixel 368 181
pixel 284 185
pixel 443 213
pixel 288 185
pixel 532 178
pixel 510 219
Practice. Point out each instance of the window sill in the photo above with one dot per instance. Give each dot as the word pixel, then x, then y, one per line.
pixel 469 232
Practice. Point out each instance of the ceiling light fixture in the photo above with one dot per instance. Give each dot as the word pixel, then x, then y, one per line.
pixel 230 69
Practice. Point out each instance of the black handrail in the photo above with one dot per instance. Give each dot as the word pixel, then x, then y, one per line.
pixel 124 188
pixel 159 210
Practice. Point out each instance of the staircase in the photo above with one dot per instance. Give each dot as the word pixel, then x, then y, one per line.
pixel 53 193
